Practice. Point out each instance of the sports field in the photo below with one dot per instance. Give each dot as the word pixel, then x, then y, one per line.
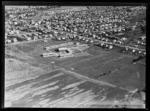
pixel 113 67
pixel 95 63
pixel 84 76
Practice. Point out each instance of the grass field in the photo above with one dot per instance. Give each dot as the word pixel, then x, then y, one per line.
pixel 95 62
pixel 130 77
pixel 113 67
pixel 58 89
pixel 30 76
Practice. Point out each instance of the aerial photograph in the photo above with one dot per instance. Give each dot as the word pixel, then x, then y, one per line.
pixel 75 56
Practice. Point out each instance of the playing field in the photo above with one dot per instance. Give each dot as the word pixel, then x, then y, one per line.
pixel 95 62
pixel 113 67
pixel 95 75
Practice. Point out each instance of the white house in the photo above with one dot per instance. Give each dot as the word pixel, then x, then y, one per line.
pixel 14 40
pixel 133 50
pixel 110 46
pixel 8 41
pixel 28 38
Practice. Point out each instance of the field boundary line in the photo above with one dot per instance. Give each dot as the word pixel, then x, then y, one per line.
pixel 87 78
pixel 98 82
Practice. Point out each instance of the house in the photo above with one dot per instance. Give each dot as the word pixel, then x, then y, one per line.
pixel 8 41
pixel 133 50
pixel 5 36
pixel 50 35
pixel 39 37
pixel 45 40
pixel 114 41
pixel 139 52
pixel 103 38
pixel 110 46
pixel 102 44
pixel 99 38
pixel 106 40
pixel 86 40
pixel 119 42
pixel 106 45
pixel 138 42
pixel 91 41
pixel 59 38
pixel 123 39
pixel 14 40
pixel 143 37
pixel 28 38
pixel 63 38
pixel 35 38
pixel 77 43
pixel 126 48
